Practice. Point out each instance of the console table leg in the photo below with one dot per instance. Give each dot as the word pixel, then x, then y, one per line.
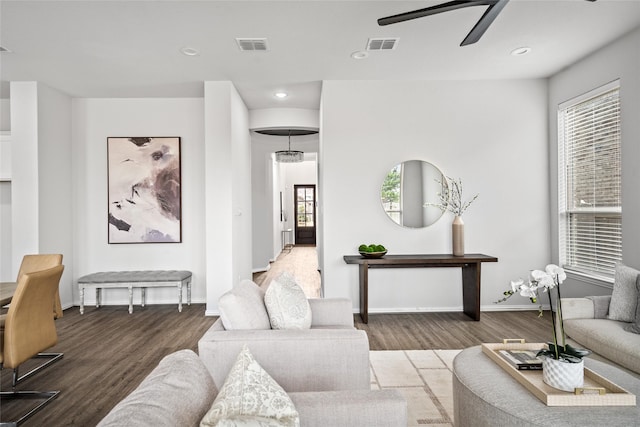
pixel 471 290
pixel 364 292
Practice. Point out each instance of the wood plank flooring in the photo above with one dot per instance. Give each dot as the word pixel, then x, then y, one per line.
pixel 108 352
pixel 441 331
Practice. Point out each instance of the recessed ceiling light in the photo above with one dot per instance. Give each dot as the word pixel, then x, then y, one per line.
pixel 521 51
pixel 281 95
pixel 190 51
pixel 360 54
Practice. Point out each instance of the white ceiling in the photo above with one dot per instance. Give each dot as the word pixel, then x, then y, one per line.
pixel 132 48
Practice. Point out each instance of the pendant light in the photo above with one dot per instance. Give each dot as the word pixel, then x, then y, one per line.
pixel 289 156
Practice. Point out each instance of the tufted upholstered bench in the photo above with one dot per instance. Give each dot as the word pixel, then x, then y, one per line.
pixel 135 279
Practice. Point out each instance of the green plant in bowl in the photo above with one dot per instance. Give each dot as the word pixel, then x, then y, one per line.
pixel 372 250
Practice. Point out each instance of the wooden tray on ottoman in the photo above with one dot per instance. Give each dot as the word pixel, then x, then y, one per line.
pixel 589 395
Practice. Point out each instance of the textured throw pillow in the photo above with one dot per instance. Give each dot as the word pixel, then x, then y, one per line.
pixel 243 307
pixel 635 326
pixel 250 397
pixel 624 297
pixel 287 305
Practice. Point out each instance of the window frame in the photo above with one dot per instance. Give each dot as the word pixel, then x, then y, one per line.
pixel 565 194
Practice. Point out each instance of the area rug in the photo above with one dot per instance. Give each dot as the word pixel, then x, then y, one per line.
pixel 423 377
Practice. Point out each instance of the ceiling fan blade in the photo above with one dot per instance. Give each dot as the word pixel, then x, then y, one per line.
pixel 487 19
pixel 433 10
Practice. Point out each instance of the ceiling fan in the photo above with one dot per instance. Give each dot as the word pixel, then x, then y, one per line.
pixel 495 6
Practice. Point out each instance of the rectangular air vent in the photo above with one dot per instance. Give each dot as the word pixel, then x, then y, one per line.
pixel 382 44
pixel 252 44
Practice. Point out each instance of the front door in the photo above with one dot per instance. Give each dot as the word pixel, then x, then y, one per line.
pixel 305 199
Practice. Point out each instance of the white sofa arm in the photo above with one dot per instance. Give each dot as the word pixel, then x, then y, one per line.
pixel 361 408
pixel 577 308
pixel 299 360
pixel 327 312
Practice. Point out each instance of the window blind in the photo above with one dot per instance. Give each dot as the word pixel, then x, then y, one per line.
pixel 590 208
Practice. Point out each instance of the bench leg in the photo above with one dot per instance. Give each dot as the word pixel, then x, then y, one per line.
pixel 180 297
pixel 143 295
pixel 81 300
pixel 98 297
pixel 130 299
pixel 189 292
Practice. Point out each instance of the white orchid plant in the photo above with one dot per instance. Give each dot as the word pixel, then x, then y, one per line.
pixel 545 281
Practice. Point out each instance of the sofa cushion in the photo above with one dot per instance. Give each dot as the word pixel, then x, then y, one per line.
pixel 178 392
pixel 249 394
pixel 635 326
pixel 624 297
pixel 243 307
pixel 287 304
pixel 607 338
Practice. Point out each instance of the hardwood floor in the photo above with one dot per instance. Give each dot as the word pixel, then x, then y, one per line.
pixel 108 352
pixel 426 331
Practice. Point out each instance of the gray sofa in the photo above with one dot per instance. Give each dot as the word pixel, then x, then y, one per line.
pixel 586 322
pixel 324 370
pixel 332 355
pixel 179 392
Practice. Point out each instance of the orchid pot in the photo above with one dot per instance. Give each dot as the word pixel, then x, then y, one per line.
pixel 563 375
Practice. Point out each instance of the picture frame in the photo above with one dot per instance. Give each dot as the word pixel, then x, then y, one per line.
pixel 144 178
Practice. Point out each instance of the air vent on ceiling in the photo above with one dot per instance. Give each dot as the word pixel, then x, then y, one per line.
pixel 382 44
pixel 252 44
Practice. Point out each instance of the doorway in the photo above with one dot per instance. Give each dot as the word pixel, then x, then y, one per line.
pixel 305 208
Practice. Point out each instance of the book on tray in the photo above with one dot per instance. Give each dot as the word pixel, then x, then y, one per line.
pixel 522 359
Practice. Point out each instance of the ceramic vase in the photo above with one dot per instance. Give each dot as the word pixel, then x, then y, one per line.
pixel 457 233
pixel 562 375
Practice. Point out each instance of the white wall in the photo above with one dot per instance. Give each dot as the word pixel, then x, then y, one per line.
pixel 24 202
pixel 492 134
pixel 6 269
pixel 620 60
pixel 93 121
pixel 41 197
pixel 6 260
pixel 227 180
pixel 5 114
pixel 56 208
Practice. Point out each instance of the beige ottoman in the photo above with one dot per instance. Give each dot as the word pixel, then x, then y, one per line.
pixel 485 395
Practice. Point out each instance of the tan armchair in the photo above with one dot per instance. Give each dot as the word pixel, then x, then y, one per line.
pixel 31 263
pixel 27 329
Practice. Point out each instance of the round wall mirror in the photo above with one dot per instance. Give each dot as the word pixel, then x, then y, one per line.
pixel 407 188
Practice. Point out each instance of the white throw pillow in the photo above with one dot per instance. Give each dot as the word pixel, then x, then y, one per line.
pixel 287 305
pixel 624 297
pixel 243 307
pixel 250 397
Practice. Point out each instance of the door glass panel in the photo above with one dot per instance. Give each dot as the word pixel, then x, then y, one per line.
pixel 305 205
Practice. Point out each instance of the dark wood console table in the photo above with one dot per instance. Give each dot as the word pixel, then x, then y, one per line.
pixel 469 263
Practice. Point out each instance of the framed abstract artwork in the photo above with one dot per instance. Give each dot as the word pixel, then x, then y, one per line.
pixel 144 190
